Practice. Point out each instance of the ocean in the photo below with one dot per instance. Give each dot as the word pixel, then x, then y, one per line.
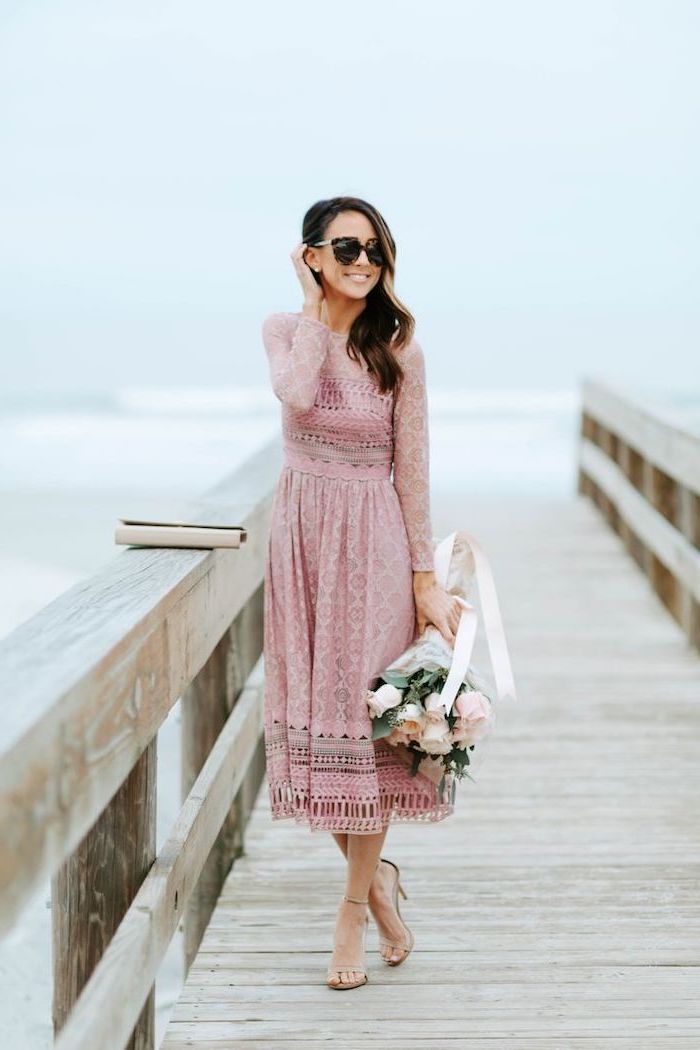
pixel 186 439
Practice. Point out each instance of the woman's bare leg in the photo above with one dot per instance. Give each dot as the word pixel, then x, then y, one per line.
pixel 381 902
pixel 363 856
pixel 362 853
pixel 341 837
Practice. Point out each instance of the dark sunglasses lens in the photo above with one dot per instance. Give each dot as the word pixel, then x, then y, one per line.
pixel 374 253
pixel 346 250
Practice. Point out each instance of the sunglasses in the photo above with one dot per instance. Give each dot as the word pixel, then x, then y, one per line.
pixel 347 250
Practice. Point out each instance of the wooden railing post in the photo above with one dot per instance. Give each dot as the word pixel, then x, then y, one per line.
pixel 92 890
pixel 586 432
pixel 632 466
pixel 689 525
pixel 660 490
pixel 206 704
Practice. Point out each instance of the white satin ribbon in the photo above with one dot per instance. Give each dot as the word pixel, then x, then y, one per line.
pixel 466 631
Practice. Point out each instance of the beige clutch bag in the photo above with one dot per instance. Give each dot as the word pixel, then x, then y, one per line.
pixel 196 525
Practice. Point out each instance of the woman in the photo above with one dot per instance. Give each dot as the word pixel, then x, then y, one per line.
pixel 349 574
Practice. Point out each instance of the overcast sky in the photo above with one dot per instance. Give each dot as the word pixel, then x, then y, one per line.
pixel 536 161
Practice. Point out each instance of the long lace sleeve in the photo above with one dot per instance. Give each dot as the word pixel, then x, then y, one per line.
pixel 412 457
pixel 296 350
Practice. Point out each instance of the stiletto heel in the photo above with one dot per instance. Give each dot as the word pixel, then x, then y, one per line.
pixel 383 942
pixel 344 968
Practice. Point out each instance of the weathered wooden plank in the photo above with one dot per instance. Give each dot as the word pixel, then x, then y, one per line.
pixel 374 1029
pixel 223 1041
pixel 236 1000
pixel 629 945
pixel 301 969
pixel 447 1011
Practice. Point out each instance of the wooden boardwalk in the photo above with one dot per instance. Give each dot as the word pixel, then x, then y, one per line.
pixel 559 907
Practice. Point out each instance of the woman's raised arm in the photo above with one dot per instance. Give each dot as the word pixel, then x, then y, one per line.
pixel 296 348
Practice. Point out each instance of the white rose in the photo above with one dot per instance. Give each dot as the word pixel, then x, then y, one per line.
pixel 385 697
pixel 412 712
pixel 413 720
pixel 435 707
pixel 436 738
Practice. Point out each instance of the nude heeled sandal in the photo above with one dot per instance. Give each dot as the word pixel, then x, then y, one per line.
pixel 383 942
pixel 344 968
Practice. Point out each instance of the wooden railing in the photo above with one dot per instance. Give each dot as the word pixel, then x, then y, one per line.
pixel 86 685
pixel 641 466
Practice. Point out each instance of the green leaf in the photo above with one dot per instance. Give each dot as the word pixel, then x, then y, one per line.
pixel 460 759
pixel 381 727
pixel 394 678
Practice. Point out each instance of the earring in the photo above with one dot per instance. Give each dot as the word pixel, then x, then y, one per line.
pixel 317 269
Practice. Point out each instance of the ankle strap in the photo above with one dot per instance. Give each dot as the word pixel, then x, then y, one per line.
pixel 355 900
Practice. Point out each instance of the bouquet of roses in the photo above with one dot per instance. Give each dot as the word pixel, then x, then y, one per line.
pixel 409 711
pixel 431 704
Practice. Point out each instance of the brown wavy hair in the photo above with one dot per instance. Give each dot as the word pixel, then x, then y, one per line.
pixel 385 325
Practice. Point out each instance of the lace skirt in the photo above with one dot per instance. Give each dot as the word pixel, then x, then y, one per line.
pixel 338 608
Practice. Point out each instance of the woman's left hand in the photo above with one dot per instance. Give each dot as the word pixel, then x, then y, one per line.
pixel 435 605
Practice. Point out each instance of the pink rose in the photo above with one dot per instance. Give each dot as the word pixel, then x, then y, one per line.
pixel 472 705
pixel 473 717
pixel 397 736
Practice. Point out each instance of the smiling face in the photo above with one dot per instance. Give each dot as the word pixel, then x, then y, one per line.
pixel 356 279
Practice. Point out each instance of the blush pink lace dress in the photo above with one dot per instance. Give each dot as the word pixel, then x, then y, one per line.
pixel 338 599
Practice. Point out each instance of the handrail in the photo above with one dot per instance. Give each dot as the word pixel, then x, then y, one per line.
pixel 89 681
pixel 640 464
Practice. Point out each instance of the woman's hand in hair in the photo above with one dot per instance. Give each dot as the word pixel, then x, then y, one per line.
pixel 313 292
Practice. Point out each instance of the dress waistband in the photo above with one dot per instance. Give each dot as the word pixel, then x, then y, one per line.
pixel 333 468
